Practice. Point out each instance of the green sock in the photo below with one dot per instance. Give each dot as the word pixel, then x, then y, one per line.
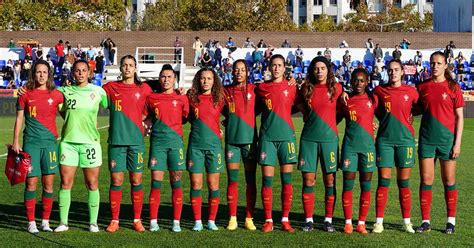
pixel 64 204
pixel 93 202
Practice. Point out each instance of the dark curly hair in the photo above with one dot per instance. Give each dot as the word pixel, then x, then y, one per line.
pixel 217 90
pixel 311 80
pixel 366 75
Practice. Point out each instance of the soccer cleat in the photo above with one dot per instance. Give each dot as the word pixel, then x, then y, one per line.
pixel 408 228
pixel 154 227
pixel 328 227
pixel 378 228
pixel 212 226
pixel 197 227
pixel 425 227
pixel 32 228
pixel 348 228
pixel 232 223
pixel 93 228
pixel 361 228
pixel 286 227
pixel 45 227
pixel 113 227
pixel 61 228
pixel 137 226
pixel 267 227
pixel 450 228
pixel 176 228
pixel 249 224
pixel 308 226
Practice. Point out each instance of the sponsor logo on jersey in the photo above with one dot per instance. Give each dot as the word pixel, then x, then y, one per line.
pixel 351 105
pixel 116 94
pixel 113 164
pixel 385 97
pixel 230 154
pixel 263 155
pixel 153 161
pixel 50 101
pixel 347 162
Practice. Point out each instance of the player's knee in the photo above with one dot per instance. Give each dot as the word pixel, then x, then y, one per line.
pixel 309 181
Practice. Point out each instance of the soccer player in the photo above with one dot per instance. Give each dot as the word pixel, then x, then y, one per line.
pixel 395 142
pixel 38 107
pixel 358 149
pixel 80 143
pixel 319 138
pixel 240 142
pixel 126 144
pixel 439 138
pixel 206 100
pixel 166 110
pixel 277 140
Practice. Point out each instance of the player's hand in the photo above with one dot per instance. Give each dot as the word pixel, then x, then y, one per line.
pixel 16 147
pixel 455 151
pixel 292 81
pixel 180 91
pixel 344 98
pixel 375 126
pixel 21 91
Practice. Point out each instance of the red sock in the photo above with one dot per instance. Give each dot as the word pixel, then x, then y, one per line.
pixel 347 204
pixel 286 199
pixel 177 196
pixel 267 200
pixel 426 196
pixel 155 198
pixel 329 202
pixel 232 198
pixel 251 197
pixel 364 204
pixel 404 196
pixel 47 203
pixel 308 204
pixel 137 203
pixel 115 197
pixel 381 201
pixel 213 207
pixel 196 203
pixel 30 209
pixel 451 198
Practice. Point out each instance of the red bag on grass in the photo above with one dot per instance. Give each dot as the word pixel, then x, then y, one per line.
pixel 17 166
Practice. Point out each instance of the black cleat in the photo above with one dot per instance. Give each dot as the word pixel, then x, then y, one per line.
pixel 450 228
pixel 424 228
pixel 308 226
pixel 328 227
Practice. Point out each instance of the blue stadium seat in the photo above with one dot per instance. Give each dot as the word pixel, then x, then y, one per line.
pixel 337 63
pixel 297 70
pixel 355 63
pixel 57 82
pixel 306 63
pixel 466 64
pixel 367 63
pixel 426 63
pixel 98 76
pixel 369 68
pixel 2 64
pixel 257 76
pixel 467 70
pixel 97 82
pixel 5 84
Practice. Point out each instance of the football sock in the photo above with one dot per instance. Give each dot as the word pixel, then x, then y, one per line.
pixel 155 198
pixel 196 202
pixel 267 197
pixel 177 198
pixel 286 194
pixel 47 202
pixel 93 203
pixel 329 202
pixel 232 191
pixel 364 202
pixel 137 201
pixel 348 185
pixel 30 204
pixel 404 197
pixel 308 201
pixel 115 198
pixel 451 198
pixel 64 204
pixel 213 201
pixel 426 196
pixel 381 197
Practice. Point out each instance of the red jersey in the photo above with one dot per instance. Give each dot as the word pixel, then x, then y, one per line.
pixel 40 108
pixel 59 50
pixel 240 114
pixel 127 107
pixel 204 118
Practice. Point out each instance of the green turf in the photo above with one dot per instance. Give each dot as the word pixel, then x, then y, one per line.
pixel 13 222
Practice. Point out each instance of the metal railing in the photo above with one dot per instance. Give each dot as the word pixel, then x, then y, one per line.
pixel 160 55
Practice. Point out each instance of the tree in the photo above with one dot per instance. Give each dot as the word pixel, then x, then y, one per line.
pixel 323 24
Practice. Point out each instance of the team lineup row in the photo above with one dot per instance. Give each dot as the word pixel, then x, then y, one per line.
pixel 136 109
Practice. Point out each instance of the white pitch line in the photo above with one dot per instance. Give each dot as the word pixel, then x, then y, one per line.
pixel 99 128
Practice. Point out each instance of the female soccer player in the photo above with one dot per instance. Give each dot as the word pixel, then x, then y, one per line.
pixel 440 137
pixel 80 143
pixel 277 140
pixel 319 138
pixel 126 144
pixel 38 107
pixel 358 149
pixel 240 142
pixel 395 142
pixel 166 110
pixel 206 99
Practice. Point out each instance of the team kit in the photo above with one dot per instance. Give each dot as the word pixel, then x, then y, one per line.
pixel 137 110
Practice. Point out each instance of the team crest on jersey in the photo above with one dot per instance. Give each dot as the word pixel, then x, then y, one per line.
pixel 92 96
pixel 153 161
pixel 230 154
pixel 249 96
pixel 263 156
pixel 406 97
pixel 347 162
pixel 444 95
pixel 113 164
pixel 369 104
pixel 174 102
pixel 285 92
pixel 190 164
pixel 50 101
pixel 138 95
pixel 63 157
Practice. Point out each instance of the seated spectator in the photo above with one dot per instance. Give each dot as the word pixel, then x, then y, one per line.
pixel 78 53
pixel 299 56
pixel 39 52
pixel 397 54
pixel 25 73
pixel 340 73
pixel 405 43
pixel 328 54
pixel 230 58
pixel 451 44
pixel 418 57
pixel 99 62
pixel 410 62
pixel 369 44
pixel 346 60
pixel 231 45
pixel 206 59
pixel 91 53
pixel 67 69
pixel 261 44
pixel 460 72
pixel 267 75
pixel 50 62
pixel 286 44
pixel 375 78
pixel 92 65
pixel 378 53
pixel 460 58
pixel 448 51
pixel 28 52
pixel 343 44
pixel 288 68
pixel 227 70
pixel 257 56
pixel 383 75
pixel 268 53
pixel 379 64
pixel 248 43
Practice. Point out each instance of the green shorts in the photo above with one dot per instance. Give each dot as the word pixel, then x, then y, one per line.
pixel 165 158
pixel 44 160
pixel 358 161
pixel 273 151
pixel 211 159
pixel 82 155
pixel 123 158
pixel 311 152
pixel 389 156
pixel 244 152
pixel 440 151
